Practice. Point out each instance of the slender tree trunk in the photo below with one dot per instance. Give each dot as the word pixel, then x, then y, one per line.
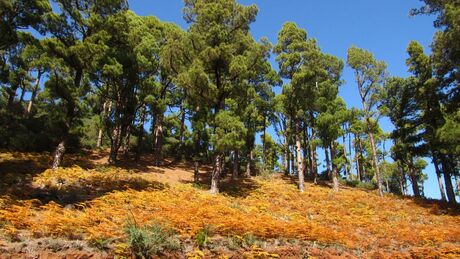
pixel 264 146
pixel 401 186
pixel 115 145
pixel 249 155
pixel 182 129
pixel 141 134
pixel 34 92
pixel 249 167
pixel 357 157
pixel 11 95
pixel 126 142
pixel 457 182
pixel 196 171
pixel 350 158
pixel 300 170
pixel 313 149
pixel 58 155
pixel 306 154
pixel 158 138
pixel 439 176
pixel 286 158
pixel 347 175
pixel 104 114
pixel 448 181
pixel 328 162
pixel 413 179
pixel 335 174
pixel 23 93
pixel 236 164
pixel 376 163
pixel 293 160
pixel 216 172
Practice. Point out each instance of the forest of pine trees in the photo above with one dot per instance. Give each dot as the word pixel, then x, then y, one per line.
pixel 92 74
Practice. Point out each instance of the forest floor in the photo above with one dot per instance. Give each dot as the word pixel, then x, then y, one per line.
pixel 85 210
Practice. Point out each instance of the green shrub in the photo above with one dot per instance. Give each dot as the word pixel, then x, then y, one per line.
pixel 367 185
pixel 203 235
pixel 150 240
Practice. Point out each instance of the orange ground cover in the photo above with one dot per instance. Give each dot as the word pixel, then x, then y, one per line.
pixel 272 208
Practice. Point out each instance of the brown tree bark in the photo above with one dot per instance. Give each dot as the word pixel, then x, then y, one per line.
pixel 58 155
pixel 34 92
pixel 439 177
pixel 300 168
pixel 158 138
pixel 313 150
pixel 140 138
pixel 115 140
pixel 376 163
pixel 216 173
pixel 448 180
pixel 328 162
pixel 196 171
pixel 236 164
pixel 413 179
pixel 106 108
pixel 335 174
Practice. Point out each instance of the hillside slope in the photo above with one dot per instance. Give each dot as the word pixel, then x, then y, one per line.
pixel 83 210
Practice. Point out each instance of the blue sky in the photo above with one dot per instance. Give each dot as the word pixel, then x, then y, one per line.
pixel 382 27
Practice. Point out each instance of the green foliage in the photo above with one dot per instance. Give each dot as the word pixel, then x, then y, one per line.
pixel 202 237
pixel 151 239
pixel 229 133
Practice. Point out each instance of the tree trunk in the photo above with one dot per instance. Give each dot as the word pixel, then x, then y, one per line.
pixel 376 163
pixel 216 172
pixel 347 175
pixel 196 171
pixel 114 145
pixel 141 135
pixel 328 162
pixel 306 153
pixel 335 174
pixel 293 160
pixel 448 181
pixel 457 182
pixel 100 133
pixel 286 159
pixel 313 150
pixel 401 186
pixel 250 154
pixel 236 164
pixel 413 179
pixel 182 129
pixel 440 183
pixel 357 157
pixel 11 95
pixel 126 142
pixel 58 155
pixel 300 171
pixel 264 146
pixel 158 138
pixel 250 157
pixel 23 93
pixel 34 92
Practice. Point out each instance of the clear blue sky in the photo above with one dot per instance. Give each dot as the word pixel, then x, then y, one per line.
pixel 383 27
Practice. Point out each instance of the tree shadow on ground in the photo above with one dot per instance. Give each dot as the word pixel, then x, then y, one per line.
pixel 17 179
pixel 90 189
pixel 436 207
pixel 237 188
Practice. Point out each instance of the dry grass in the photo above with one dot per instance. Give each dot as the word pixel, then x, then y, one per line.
pixel 353 220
